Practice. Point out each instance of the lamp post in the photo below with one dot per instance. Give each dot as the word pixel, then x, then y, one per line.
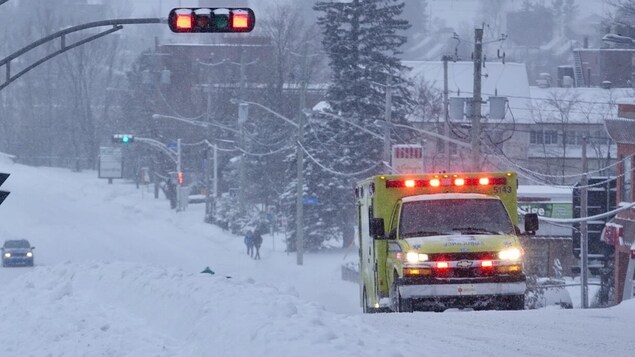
pixel 209 199
pixel 299 173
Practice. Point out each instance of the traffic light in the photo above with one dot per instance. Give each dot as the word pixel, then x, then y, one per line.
pixel 122 138
pixel 179 178
pixel 204 19
pixel 3 194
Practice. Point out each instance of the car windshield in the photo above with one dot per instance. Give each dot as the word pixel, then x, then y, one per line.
pixel 17 244
pixel 452 216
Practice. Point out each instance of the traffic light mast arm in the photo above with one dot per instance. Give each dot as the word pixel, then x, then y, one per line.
pixel 117 24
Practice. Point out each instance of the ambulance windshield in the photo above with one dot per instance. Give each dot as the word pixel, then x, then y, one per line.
pixel 454 216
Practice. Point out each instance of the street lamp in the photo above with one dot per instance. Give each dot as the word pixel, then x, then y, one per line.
pixel 299 174
pixel 209 205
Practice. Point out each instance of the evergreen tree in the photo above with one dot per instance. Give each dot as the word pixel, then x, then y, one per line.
pixel 362 39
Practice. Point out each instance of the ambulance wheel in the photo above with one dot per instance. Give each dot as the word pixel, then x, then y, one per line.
pixel 515 302
pixel 405 305
pixel 397 303
pixel 365 307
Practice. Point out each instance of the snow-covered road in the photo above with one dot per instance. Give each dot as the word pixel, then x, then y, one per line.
pixel 118 274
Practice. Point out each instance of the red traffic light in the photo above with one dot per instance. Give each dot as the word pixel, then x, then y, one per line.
pixel 179 177
pixel 211 19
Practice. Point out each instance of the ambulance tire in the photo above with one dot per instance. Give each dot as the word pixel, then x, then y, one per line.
pixel 516 302
pixel 399 304
pixel 365 308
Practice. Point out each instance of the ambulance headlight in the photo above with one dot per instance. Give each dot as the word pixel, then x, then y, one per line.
pixel 510 254
pixel 414 257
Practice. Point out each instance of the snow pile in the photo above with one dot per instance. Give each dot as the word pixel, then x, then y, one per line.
pixel 142 310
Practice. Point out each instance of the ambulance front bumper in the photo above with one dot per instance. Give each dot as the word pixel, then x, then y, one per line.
pixel 461 289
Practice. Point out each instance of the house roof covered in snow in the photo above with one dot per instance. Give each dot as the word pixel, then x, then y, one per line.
pixel 526 104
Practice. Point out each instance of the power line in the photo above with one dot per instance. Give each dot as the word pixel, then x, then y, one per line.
pixel 352 174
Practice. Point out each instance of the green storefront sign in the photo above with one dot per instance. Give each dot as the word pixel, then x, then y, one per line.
pixel 549 210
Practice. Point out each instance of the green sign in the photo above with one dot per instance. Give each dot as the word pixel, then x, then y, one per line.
pixel 549 210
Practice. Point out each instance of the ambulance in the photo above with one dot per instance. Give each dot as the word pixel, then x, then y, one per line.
pixel 437 241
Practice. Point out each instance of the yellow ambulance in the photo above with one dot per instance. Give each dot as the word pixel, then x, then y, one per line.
pixel 438 241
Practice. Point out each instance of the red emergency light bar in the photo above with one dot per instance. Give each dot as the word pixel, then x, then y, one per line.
pixel 449 181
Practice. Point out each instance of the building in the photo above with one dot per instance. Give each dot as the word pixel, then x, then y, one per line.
pixel 608 67
pixel 549 253
pixel 622 130
pixel 542 129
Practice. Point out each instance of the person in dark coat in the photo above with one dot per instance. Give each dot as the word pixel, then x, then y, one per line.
pixel 171 193
pixel 257 243
pixel 249 242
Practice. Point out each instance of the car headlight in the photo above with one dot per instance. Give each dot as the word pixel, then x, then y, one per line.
pixel 414 257
pixel 29 254
pixel 7 255
pixel 510 254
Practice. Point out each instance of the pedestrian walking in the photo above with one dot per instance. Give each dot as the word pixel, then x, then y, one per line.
pixel 249 242
pixel 257 243
pixel 171 193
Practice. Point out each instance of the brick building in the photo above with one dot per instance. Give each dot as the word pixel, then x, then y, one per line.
pixel 622 130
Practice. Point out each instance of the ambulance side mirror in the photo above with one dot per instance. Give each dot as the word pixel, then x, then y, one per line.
pixel 377 228
pixel 531 223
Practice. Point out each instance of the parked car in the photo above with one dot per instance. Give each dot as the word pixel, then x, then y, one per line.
pixel 17 252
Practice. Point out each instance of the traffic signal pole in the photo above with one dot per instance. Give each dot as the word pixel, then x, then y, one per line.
pixel 178 173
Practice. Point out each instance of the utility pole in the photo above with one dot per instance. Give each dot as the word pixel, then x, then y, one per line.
pixel 446 116
pixel 299 214
pixel 476 100
pixel 584 243
pixel 241 122
pixel 388 118
pixel 208 203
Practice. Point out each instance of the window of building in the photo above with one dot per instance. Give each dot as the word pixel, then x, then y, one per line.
pixel 569 137
pixel 535 137
pixel 551 137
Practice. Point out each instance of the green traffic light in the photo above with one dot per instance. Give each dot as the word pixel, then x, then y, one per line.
pixel 221 22
pixel 125 139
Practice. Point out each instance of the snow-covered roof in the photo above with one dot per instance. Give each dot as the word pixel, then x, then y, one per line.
pixel 526 104
pixel 544 191
pixel 576 105
pixel 508 79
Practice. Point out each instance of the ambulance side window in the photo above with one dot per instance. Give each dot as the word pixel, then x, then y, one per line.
pixel 393 219
pixel 394 247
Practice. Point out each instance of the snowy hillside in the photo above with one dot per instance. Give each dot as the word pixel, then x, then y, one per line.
pixel 118 274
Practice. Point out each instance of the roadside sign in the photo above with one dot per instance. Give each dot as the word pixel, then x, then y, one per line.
pixel 311 201
pixel 110 162
pixel 3 194
pixel 407 159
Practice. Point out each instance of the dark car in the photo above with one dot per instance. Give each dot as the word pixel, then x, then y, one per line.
pixel 17 252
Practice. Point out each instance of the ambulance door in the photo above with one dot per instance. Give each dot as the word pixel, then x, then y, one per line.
pixel 367 262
